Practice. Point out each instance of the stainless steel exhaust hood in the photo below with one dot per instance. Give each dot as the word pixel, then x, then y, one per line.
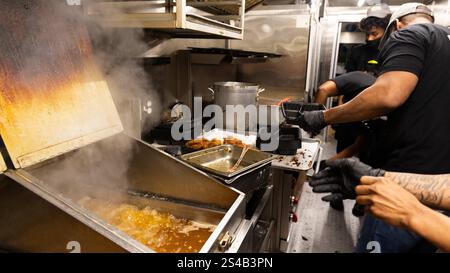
pixel 179 19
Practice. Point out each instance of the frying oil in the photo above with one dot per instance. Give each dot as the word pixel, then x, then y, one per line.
pixel 162 232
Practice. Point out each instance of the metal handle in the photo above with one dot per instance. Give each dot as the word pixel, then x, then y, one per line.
pixel 244 151
pixel 212 91
pixel 226 241
pixel 319 158
pixel 260 90
pixel 285 115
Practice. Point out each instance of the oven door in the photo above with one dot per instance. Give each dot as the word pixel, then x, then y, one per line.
pixel 256 234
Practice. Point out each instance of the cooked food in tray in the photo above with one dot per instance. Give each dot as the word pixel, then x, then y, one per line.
pixel 197 144
pixel 161 232
pixel 233 141
pixel 203 143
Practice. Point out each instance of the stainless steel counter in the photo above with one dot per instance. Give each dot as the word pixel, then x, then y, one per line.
pixel 289 175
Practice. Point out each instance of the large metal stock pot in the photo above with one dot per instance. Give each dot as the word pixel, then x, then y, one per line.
pixel 235 93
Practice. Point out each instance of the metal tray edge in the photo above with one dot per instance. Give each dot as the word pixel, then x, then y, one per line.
pixel 222 174
pixel 2 164
pixel 112 233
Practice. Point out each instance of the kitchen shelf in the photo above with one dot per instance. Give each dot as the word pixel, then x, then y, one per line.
pixel 179 19
pixel 223 7
pixel 229 56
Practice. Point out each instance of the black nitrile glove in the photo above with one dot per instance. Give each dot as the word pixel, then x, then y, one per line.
pixel 341 177
pixel 358 210
pixel 311 121
pixel 323 165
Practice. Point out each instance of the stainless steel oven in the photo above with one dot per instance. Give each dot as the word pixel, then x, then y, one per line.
pixel 289 184
pixel 289 175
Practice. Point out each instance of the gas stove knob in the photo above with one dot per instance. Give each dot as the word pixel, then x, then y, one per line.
pixel 293 182
pixel 294 200
pixel 293 217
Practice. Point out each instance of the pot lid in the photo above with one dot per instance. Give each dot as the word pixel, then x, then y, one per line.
pixel 53 98
pixel 236 84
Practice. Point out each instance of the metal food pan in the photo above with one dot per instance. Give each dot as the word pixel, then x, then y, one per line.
pixel 123 170
pixel 218 160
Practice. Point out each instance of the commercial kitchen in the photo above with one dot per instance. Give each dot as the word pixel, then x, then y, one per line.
pixel 92 91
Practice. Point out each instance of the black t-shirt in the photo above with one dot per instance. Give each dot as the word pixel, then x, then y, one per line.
pixel 353 83
pixel 418 136
pixel 363 58
pixel 350 85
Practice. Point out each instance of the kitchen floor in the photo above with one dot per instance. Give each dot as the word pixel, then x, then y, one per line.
pixel 321 228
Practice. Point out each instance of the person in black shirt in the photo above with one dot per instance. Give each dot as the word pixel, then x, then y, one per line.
pixel 365 57
pixel 413 90
pixel 363 135
pixel 348 85
pixel 362 58
pixel 349 136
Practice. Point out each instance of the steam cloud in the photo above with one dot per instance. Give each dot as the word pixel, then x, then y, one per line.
pixel 104 164
pixel 117 51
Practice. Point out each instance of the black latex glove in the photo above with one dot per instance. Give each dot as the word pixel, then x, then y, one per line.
pixel 312 122
pixel 323 165
pixel 340 178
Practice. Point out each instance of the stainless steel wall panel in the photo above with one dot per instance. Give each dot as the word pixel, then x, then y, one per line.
pixel 279 30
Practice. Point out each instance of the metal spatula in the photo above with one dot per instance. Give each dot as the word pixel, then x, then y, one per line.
pixel 244 151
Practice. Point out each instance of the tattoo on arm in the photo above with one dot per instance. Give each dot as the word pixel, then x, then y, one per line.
pixel 432 190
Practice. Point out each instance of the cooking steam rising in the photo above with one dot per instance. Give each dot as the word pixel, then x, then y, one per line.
pixel 52 56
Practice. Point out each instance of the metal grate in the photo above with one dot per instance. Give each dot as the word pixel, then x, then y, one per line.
pixel 222 7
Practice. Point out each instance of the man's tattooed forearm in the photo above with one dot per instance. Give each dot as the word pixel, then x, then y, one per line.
pixel 433 190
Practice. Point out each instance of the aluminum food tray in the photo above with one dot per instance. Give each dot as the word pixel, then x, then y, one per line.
pixel 303 160
pixel 217 159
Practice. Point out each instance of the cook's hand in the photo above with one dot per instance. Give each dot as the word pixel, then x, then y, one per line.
pixel 312 122
pixel 387 200
pixel 340 178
